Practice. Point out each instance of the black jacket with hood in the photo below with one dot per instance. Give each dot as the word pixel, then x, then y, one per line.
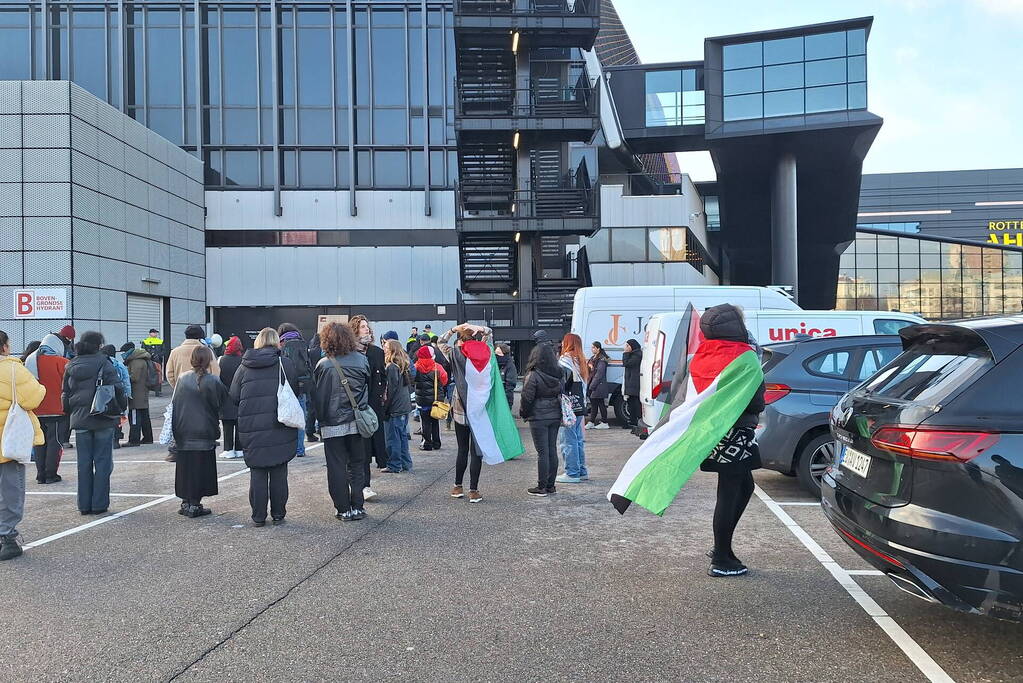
pixel 725 322
pixel 398 398
pixel 229 364
pixel 330 399
pixel 541 395
pixel 79 388
pixel 195 420
pixel 265 441
pixel 631 360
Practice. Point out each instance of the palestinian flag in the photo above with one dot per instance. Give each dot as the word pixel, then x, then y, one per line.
pixel 486 406
pixel 672 365
pixel 723 377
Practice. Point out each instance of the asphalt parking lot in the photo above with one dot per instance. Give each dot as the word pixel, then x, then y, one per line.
pixel 435 589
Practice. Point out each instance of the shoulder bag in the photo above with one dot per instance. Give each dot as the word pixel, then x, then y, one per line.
pixel 289 410
pixel 440 409
pixel 104 401
pixel 365 419
pixel 19 434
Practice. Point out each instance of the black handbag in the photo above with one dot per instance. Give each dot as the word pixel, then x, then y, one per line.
pixel 104 401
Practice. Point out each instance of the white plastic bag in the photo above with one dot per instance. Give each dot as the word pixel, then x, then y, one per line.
pixel 167 431
pixel 18 431
pixel 289 410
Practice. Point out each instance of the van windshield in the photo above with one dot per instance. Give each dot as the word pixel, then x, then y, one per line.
pixel 890 325
pixel 922 376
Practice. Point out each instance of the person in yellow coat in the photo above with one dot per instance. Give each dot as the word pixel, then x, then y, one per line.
pixel 12 473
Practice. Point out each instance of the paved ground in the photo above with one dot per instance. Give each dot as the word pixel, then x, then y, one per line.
pixel 434 589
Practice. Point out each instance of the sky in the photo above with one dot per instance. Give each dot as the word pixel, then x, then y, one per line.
pixel 945 75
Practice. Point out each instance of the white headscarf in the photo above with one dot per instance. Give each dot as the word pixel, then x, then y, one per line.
pixel 50 346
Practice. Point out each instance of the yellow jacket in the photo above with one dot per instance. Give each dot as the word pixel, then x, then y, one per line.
pixel 30 395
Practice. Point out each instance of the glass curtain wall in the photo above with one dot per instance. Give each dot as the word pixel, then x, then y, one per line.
pixel 938 280
pixel 394 141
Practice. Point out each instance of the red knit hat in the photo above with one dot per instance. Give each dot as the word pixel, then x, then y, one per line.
pixel 68 332
pixel 424 352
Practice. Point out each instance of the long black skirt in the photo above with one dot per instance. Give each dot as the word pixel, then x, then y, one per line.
pixel 196 475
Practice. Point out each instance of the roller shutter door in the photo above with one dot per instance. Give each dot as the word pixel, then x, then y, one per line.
pixel 144 314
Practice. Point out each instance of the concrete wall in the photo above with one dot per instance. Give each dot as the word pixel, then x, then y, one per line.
pixel 92 201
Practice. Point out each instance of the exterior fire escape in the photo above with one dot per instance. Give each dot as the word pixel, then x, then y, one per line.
pixel 521 98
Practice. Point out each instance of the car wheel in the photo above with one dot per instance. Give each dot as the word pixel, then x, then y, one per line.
pixel 816 457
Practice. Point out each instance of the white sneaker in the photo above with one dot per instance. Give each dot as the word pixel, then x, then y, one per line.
pixel 227 455
pixel 368 493
pixel 237 455
pixel 602 425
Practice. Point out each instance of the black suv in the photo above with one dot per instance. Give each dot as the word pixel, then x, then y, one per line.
pixel 805 380
pixel 929 485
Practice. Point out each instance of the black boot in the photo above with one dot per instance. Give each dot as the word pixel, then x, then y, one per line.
pixel 9 547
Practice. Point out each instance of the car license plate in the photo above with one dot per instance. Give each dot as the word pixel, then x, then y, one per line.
pixel 856 462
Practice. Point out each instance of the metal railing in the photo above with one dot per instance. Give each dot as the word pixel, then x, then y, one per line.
pixel 571 8
pixel 518 313
pixel 562 202
pixel 568 101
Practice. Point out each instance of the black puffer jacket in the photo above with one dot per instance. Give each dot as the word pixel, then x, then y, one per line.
pixel 266 442
pixel 229 364
pixel 297 350
pixel 399 393
pixel 195 419
pixel 631 360
pixel 329 396
pixel 509 376
pixel 598 386
pixel 541 396
pixel 79 388
pixel 725 322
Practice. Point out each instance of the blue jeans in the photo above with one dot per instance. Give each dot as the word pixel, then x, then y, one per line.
pixel 94 452
pixel 570 444
pixel 396 437
pixel 300 448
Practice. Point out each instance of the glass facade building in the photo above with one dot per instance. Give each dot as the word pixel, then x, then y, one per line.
pixel 938 279
pixel 820 72
pixel 314 97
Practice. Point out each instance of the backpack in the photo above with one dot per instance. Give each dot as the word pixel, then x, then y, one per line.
pixel 153 379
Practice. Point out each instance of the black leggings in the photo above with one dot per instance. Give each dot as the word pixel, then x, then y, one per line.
pixel 734 490
pixel 230 430
pixel 635 410
pixel 465 443
pixel 595 405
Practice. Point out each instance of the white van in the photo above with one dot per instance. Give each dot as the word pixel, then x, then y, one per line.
pixel 663 339
pixel 611 315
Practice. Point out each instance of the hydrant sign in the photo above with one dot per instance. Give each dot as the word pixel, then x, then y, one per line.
pixel 40 303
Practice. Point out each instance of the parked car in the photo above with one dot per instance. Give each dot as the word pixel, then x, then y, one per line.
pixel 929 485
pixel 805 380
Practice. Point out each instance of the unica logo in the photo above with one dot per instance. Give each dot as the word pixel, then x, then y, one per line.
pixel 615 333
pixel 777 334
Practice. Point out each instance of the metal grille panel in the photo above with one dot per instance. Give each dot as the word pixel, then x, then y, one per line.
pixel 10 130
pixel 10 165
pixel 179 310
pixel 48 233
pixel 10 269
pixel 46 130
pixel 10 97
pixel 86 235
pixel 47 267
pixel 86 270
pixel 10 199
pixel 84 170
pixel 112 274
pixel 10 228
pixel 86 302
pixel 47 199
pixel 86 204
pixel 47 166
pixel 112 305
pixel 113 242
pixel 83 104
pixel 35 330
pixel 46 97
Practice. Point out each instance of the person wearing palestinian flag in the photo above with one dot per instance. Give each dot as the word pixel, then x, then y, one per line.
pixel 484 426
pixel 710 427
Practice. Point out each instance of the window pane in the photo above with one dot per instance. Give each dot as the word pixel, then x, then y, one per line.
pixel 390 169
pixel 316 169
pixel 239 74
pixel 858 99
pixel 628 244
pixel 166 122
pixel 340 58
pixel 830 98
pixel 314 60
pixel 824 45
pixel 663 91
pixel 240 127
pixel 363 168
pixel 390 127
pixel 343 172
pixel 88 60
pixel 743 55
pixel 241 168
pixel 856 41
pixel 784 103
pixel 667 244
pixel 15 63
pixel 164 65
pixel 783 77
pixel 743 81
pixel 314 127
pixel 389 63
pixel 740 107
pixel 597 246
pixel 826 72
pixel 784 50
pixel 857 69
pixel 833 364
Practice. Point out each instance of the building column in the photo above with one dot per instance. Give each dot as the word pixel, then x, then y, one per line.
pixel 784 234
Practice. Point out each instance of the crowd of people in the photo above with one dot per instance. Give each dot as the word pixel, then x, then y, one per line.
pixel 343 379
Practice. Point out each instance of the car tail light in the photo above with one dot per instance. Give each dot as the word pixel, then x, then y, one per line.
pixel 657 369
pixel 933 444
pixel 775 392
pixel 873 551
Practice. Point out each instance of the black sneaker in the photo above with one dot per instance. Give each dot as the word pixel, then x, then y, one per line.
pixel 278 521
pixel 552 489
pixel 312 438
pixel 345 516
pixel 9 547
pixel 358 513
pixel 257 522
pixel 727 568
pixel 537 491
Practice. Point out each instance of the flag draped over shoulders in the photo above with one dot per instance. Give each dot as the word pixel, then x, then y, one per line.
pixel 723 376
pixel 486 406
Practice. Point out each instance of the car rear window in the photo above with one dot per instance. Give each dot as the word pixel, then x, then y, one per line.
pixel 920 375
pixel 876 358
pixel 890 325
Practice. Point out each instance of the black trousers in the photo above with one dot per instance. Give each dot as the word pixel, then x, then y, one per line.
pixel 377 443
pixel 467 448
pixel 735 487
pixel 545 440
pixel 64 433
pixel 431 430
pixel 595 405
pixel 47 456
pixel 141 426
pixel 310 418
pixel 346 460
pixel 268 484
pixel 230 431
pixel 635 410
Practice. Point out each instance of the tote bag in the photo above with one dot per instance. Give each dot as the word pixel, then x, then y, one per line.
pixel 166 437
pixel 18 431
pixel 289 410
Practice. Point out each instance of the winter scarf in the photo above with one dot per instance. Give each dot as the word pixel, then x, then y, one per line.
pixel 49 347
pixel 288 336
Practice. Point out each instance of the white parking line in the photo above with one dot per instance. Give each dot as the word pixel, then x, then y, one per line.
pixel 795 503
pixel 923 661
pixel 112 495
pixel 864 572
